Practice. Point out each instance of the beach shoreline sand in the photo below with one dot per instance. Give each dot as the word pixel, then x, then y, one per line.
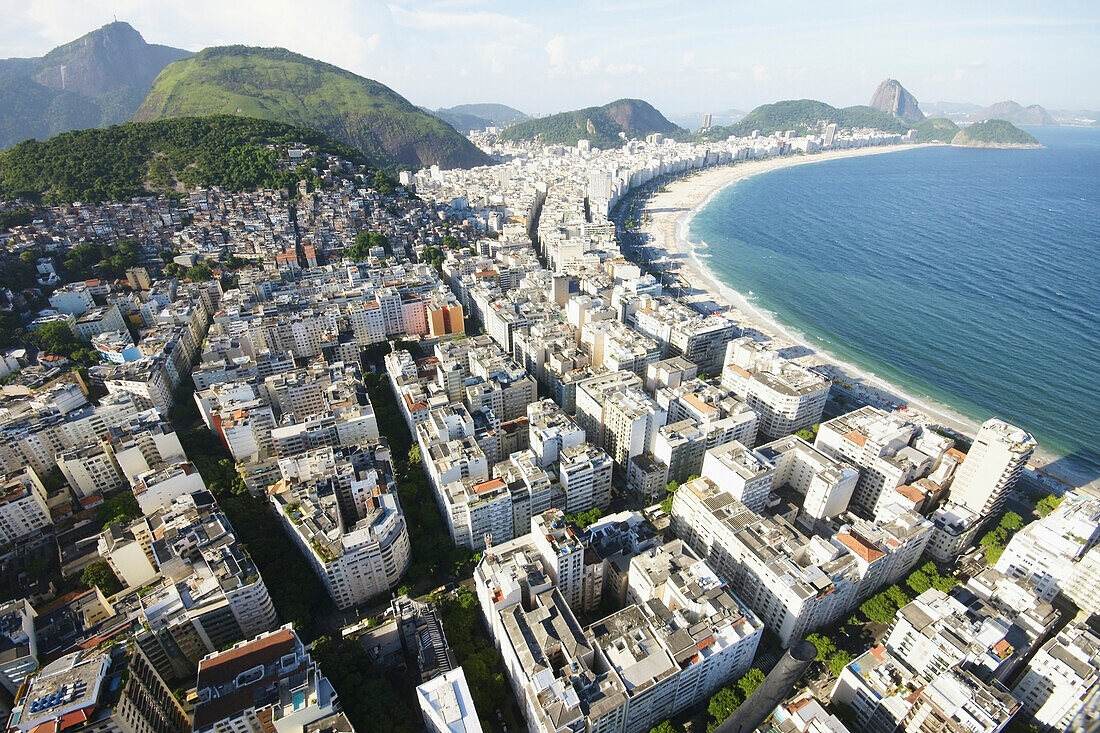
pixel 667 221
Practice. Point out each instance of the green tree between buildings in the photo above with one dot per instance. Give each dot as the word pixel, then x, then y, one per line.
pixel 99 574
pixel 364 242
pixel 1047 504
pixel 725 701
pixel 838 662
pixel 583 519
pixel 122 507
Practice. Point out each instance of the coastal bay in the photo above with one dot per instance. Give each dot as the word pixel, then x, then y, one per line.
pixel 668 222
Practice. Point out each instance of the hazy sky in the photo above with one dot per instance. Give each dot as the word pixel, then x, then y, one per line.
pixel 550 55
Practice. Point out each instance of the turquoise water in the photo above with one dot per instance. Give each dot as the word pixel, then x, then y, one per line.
pixel 968 277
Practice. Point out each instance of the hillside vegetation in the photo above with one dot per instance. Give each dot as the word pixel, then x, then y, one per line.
pixel 806 116
pixel 936 130
pixel 600 125
pixel 276 84
pixel 99 79
pixel 994 133
pixel 116 163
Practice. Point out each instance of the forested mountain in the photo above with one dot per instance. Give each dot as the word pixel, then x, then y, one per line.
pixel 276 84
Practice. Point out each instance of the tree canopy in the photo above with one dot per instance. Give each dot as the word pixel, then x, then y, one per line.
pixel 137 158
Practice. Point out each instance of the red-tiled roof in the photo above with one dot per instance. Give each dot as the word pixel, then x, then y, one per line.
pixel 859 547
pixel 227 665
pixel 489 485
pixel 856 437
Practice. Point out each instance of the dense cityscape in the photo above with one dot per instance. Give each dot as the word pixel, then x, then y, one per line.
pixel 460 451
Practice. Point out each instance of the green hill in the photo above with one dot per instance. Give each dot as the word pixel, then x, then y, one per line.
pixel 116 163
pixel 936 130
pixel 994 134
pixel 276 84
pixel 467 117
pixel 601 125
pixel 98 79
pixel 806 116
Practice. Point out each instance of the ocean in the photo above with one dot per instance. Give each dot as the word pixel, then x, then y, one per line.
pixel 966 277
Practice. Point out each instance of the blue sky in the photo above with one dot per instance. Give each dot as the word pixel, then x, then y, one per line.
pixel 682 56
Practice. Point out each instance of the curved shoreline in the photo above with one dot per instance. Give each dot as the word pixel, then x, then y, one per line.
pixel 670 213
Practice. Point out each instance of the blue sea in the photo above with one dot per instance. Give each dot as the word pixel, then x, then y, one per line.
pixel 967 277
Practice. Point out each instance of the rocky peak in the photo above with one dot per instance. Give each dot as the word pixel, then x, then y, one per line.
pixel 892 97
pixel 104 60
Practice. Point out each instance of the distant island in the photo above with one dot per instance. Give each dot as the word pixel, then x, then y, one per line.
pixel 994 134
pixel 936 130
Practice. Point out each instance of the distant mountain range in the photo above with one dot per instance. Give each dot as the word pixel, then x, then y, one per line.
pixel 277 84
pixel 99 79
pixel 469 117
pixel 601 125
pixel 1031 115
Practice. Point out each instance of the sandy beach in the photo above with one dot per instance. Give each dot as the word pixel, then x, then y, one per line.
pixel 667 220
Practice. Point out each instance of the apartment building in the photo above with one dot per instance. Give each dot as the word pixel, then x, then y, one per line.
pixel 115 690
pixel 787 396
pixel 818 484
pixel 24 510
pixel 348 523
pixel 740 472
pixel 992 467
pixel 878 444
pixel 267 684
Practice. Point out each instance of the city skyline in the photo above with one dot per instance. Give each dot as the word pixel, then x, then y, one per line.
pixel 708 57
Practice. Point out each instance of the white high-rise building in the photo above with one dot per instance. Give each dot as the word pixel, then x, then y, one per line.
pixel 1083 586
pixel 683 635
pixel 875 441
pixel 992 466
pixel 551 430
pixel 23 507
pixel 1061 688
pixel 447 705
pixel 788 396
pixel 585 475
pixel 562 553
pixel 350 527
pixel 1046 551
pixel 824 484
pixel 794 583
pixel 742 473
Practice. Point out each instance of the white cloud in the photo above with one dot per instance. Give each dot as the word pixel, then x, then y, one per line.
pixel 623 69
pixel 555 49
pixel 491 23
pixel 964 70
pixel 587 66
pixel 760 73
